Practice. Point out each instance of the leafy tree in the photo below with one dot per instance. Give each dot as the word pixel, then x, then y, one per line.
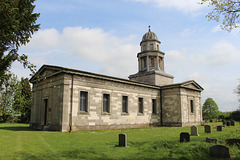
pixel 235 115
pixel 18 23
pixel 6 96
pixel 210 109
pixel 237 91
pixel 227 11
pixel 23 100
pixel 224 115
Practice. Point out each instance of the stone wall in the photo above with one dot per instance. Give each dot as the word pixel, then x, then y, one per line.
pixel 171 106
pixel 177 107
pixel 48 91
pixel 189 118
pixel 95 118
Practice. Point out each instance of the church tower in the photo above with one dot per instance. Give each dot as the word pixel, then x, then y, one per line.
pixel 151 62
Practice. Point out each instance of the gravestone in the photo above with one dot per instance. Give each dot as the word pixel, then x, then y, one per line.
pixel 184 137
pixel 210 120
pixel 219 128
pixel 219 151
pixel 232 123
pixel 194 131
pixel 207 129
pixel 233 141
pixel 223 122
pixel 211 140
pixel 122 140
pixel 228 123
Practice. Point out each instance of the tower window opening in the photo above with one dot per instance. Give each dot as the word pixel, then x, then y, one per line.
pixel 152 62
pixel 151 46
pixel 144 62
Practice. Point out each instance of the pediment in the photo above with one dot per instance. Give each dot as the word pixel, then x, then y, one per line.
pixel 191 85
pixel 44 71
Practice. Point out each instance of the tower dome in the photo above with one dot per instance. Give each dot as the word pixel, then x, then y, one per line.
pixel 149 36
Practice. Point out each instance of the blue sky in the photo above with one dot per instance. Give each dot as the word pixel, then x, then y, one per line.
pixel 103 36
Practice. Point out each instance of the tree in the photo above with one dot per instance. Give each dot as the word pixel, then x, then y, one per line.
pixel 6 96
pixel 210 109
pixel 23 100
pixel 18 23
pixel 235 115
pixel 228 11
pixel 237 91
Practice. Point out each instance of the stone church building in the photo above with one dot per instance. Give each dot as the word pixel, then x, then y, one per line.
pixel 68 100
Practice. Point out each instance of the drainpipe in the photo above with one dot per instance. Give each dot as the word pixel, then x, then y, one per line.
pixel 161 113
pixel 71 105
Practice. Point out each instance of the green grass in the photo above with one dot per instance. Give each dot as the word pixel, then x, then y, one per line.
pixel 18 141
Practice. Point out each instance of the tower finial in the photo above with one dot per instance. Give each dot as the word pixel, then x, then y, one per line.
pixel 149 28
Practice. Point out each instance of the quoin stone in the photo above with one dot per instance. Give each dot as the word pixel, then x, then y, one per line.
pixel 219 151
pixel 194 131
pixel 219 128
pixel 207 129
pixel 122 140
pixel 184 137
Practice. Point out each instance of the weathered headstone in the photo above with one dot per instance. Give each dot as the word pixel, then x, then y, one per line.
pixel 194 131
pixel 207 129
pixel 122 140
pixel 223 122
pixel 219 128
pixel 232 123
pixel 211 140
pixel 184 137
pixel 210 120
pixel 219 151
pixel 234 141
pixel 228 123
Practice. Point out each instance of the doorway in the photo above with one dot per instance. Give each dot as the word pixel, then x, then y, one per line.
pixel 45 111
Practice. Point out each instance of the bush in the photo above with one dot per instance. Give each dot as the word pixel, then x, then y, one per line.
pixel 235 115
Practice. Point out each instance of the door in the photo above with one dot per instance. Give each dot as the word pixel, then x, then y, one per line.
pixel 45 111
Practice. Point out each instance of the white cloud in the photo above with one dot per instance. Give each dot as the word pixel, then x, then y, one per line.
pixel 222 54
pixel 116 56
pixel 181 5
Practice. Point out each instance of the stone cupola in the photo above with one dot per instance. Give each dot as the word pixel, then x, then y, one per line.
pixel 151 62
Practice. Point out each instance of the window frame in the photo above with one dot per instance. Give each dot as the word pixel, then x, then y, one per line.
pixel 191 106
pixel 140 105
pixel 85 108
pixel 154 106
pixel 108 97
pixel 125 106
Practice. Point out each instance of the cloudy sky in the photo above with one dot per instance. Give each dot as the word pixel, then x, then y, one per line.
pixel 103 36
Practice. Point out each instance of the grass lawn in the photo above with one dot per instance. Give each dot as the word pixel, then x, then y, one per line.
pixel 18 141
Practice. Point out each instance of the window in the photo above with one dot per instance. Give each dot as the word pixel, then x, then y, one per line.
pixel 152 62
pixel 140 105
pixel 106 102
pixel 154 106
pixel 151 46
pixel 83 101
pixel 144 62
pixel 191 105
pixel 124 104
pixel 157 47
